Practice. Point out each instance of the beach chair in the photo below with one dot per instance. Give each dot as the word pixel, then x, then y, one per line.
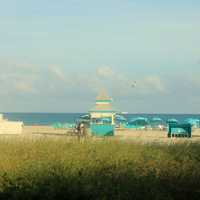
pixel 180 130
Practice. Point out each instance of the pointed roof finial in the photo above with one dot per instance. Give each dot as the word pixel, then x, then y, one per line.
pixel 103 95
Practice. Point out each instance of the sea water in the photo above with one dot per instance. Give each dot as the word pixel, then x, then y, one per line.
pixel 51 118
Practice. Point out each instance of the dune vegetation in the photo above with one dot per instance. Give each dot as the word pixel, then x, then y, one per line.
pixel 61 169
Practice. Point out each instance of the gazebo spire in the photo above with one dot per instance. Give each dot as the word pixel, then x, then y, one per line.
pixel 103 95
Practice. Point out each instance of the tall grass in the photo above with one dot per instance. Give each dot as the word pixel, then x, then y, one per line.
pixel 58 169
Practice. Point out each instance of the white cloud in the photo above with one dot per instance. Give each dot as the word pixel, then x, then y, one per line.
pixel 105 72
pixel 152 84
pixel 25 87
pixel 56 71
pixel 110 76
pixel 17 78
pixel 126 84
pixel 54 82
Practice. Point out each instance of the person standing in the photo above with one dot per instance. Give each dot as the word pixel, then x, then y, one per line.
pixel 82 129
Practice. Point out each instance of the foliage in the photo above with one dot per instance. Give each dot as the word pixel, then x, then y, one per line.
pixel 61 169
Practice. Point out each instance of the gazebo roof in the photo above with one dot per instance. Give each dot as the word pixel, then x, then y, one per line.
pixel 103 96
pixel 103 107
pixel 103 103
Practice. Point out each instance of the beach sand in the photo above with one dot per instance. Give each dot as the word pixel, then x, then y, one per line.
pixel 138 136
pixel 154 136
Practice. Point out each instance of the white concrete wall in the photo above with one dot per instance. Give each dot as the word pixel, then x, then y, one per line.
pixel 8 127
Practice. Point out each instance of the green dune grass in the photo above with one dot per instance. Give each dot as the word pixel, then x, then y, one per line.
pixel 58 169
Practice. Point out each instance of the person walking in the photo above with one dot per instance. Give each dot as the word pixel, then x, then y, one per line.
pixel 82 129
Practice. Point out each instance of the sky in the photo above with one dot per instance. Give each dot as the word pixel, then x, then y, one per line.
pixel 55 56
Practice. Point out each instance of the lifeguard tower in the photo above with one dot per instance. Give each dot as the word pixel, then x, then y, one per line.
pixel 103 116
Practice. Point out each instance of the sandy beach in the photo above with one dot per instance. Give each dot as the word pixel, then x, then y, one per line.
pixel 140 136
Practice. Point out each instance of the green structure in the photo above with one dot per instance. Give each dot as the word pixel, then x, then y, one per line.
pixel 180 130
pixel 103 116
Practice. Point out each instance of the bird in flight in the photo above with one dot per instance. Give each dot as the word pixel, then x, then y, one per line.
pixel 133 84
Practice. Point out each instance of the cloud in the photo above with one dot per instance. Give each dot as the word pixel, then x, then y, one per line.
pixel 110 76
pixel 57 72
pixel 17 78
pixel 30 79
pixel 56 83
pixel 152 84
pixel 121 84
pixel 105 72
pixel 54 80
pixel 25 87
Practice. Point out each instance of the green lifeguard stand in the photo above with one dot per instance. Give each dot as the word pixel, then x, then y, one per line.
pixel 103 116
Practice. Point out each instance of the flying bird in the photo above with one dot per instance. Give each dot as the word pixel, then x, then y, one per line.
pixel 133 84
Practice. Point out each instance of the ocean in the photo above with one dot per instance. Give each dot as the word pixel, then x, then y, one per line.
pixel 51 118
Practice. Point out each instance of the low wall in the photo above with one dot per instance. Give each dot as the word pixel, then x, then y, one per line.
pixel 7 127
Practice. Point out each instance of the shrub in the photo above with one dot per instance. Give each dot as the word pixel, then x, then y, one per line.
pixel 61 169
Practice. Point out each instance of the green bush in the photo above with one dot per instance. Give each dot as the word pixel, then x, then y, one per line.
pixel 58 169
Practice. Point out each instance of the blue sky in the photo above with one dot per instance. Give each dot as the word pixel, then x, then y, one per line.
pixel 56 55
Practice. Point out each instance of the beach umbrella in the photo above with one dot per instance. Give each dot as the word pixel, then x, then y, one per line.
pixel 157 119
pixel 139 121
pixel 157 122
pixel 193 122
pixel 68 125
pixel 106 120
pixel 85 117
pixel 57 125
pixel 172 120
pixel 120 118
